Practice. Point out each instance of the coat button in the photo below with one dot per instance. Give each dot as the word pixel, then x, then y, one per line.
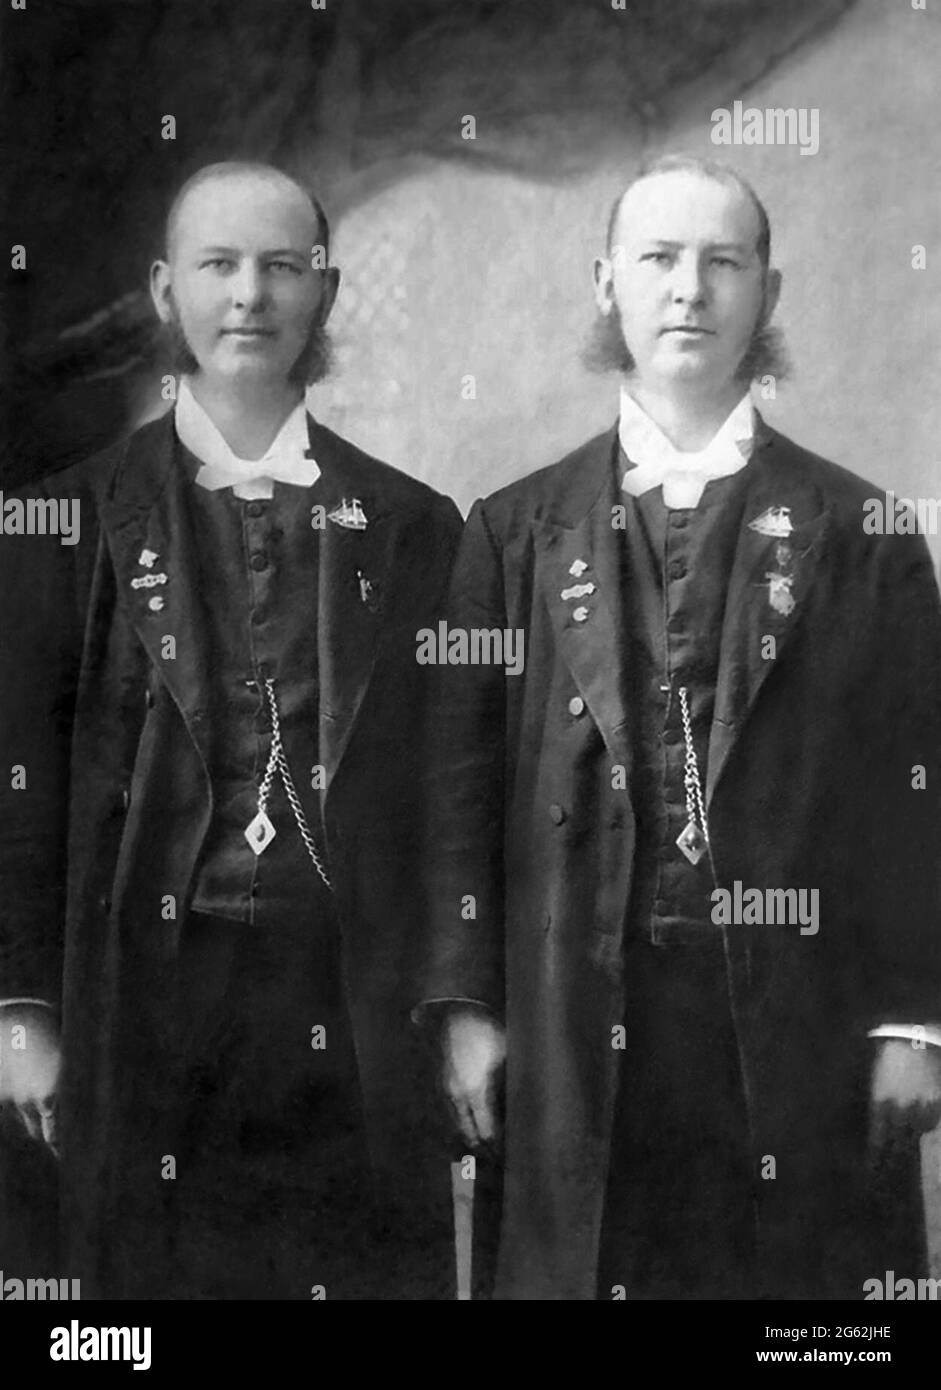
pixel 556 814
pixel 576 706
pixel 148 698
pixel 255 509
pixel 677 569
pixel 125 798
pixel 259 561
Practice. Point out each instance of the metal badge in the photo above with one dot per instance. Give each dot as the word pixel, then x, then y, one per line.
pixel 578 591
pixel 368 592
pixel 776 521
pixel 578 568
pixel 350 515
pixel 148 581
pixel 779 594
pixel 147 558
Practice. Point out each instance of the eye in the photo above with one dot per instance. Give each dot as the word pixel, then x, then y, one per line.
pixel 284 265
pixel 655 256
pixel 726 260
pixel 216 262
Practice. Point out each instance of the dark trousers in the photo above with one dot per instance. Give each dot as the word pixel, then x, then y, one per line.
pixel 679 1214
pixel 272 1195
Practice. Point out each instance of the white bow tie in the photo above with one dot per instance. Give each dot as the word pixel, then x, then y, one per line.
pixel 683 477
pixel 253 479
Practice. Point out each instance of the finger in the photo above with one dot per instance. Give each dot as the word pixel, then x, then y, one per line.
pixel 465 1122
pixel 30 1117
pixel 482 1110
pixel 50 1128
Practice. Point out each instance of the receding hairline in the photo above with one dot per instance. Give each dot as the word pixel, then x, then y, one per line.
pixel 236 169
pixel 708 169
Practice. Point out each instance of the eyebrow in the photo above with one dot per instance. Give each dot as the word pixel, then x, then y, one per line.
pixel 234 251
pixel 710 246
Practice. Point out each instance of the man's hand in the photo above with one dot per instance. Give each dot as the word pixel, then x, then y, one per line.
pixel 474 1050
pixel 906 1088
pixel 29 1067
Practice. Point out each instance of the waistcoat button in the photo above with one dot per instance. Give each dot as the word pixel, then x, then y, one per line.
pixel 556 814
pixel 576 706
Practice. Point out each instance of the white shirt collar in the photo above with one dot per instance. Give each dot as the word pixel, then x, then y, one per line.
pixel 284 461
pixel 682 475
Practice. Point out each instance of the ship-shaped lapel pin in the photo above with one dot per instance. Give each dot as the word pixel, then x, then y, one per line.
pixel 776 521
pixel 349 515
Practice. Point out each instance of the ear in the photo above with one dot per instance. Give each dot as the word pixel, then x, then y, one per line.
pixel 603 277
pixel 772 294
pixel 161 285
pixel 328 292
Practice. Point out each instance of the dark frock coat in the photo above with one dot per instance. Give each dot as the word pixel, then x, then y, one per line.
pixel 811 782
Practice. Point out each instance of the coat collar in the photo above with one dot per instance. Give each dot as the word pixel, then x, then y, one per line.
pixel 577 527
pixel 146 510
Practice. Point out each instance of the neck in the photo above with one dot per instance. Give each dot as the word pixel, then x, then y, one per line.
pixel 250 420
pixel 689 421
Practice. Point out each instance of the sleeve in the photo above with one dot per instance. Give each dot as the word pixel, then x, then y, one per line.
pixel 39 663
pixel 901 765
pixel 462 956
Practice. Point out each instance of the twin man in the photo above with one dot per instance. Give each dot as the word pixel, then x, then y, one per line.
pixel 247 821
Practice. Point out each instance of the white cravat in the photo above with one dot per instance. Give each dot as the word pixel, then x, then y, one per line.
pixel 683 476
pixel 284 461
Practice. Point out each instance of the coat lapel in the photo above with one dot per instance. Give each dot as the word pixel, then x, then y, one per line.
pixel 354 593
pixel 145 512
pixel 751 615
pixel 591 629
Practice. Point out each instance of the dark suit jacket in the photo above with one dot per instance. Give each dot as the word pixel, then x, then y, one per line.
pixel 118 799
pixel 810 785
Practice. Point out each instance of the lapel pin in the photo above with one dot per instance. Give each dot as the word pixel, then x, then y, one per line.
pixel 776 521
pixel 368 592
pixel 148 581
pixel 580 614
pixel 779 594
pixel 578 591
pixel 147 558
pixel 349 515
pixel 578 568
pixel 155 604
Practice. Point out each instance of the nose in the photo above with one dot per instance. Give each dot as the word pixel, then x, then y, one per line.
pixel 247 287
pixel 687 283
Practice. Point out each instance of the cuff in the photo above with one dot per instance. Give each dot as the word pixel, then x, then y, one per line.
pixel 419 1015
pixel 929 1032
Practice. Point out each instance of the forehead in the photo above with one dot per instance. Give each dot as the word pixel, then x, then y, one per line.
pixel 687 207
pixel 246 211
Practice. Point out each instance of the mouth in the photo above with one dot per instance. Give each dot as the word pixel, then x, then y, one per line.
pixel 688 330
pixel 248 332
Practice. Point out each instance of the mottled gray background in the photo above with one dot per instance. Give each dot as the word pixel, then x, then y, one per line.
pixel 472 257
